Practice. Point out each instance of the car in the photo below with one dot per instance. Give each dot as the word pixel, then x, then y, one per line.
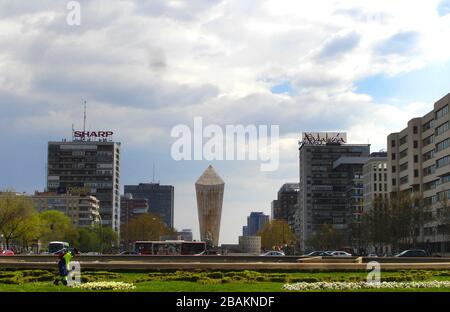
pixel 208 253
pixel 7 253
pixel 372 255
pixel 273 253
pixel 316 254
pixel 412 253
pixel 340 253
pixel 129 253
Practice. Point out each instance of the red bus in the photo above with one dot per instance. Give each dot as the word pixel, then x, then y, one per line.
pixel 169 248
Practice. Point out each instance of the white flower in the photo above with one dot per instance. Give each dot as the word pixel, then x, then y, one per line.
pixel 365 285
pixel 106 286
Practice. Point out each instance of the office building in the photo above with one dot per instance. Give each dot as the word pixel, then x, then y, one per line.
pixel 185 234
pixel 87 167
pixel 160 199
pixel 284 207
pixel 209 190
pixel 82 210
pixel 419 162
pixel 131 207
pixel 255 223
pixel 323 190
pixel 375 179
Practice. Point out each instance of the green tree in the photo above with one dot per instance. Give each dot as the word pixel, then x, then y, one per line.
pixel 326 238
pixel 16 215
pixel 276 233
pixel 88 240
pixel 56 226
pixel 147 226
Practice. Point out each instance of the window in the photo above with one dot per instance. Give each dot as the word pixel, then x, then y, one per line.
pixel 415 144
pixel 415 130
pixel 428 155
pixel 394 169
pixel 442 128
pixel 403 153
pixel 416 173
pixel 403 167
pixel 428 140
pixel 416 158
pixel 392 143
pixel 444 179
pixel 403 140
pixel 429 170
pixel 403 180
pixel 442 112
pixel 442 145
pixel 428 125
pixel 394 182
pixel 442 162
pixel 375 187
pixel 374 176
pixel 393 156
pixel 430 185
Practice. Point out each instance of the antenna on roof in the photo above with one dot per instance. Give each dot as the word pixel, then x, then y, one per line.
pixel 84 118
pixel 153 180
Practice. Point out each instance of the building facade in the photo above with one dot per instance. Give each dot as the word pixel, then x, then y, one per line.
pixel 323 190
pixel 87 168
pixel 419 162
pixel 286 204
pixel 375 179
pixel 82 210
pixel 186 235
pixel 250 244
pixel 255 223
pixel 160 199
pixel 209 190
pixel 131 207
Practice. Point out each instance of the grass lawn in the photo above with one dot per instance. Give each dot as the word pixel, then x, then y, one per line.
pixel 183 281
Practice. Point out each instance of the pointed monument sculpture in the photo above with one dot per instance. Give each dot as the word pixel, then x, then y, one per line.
pixel 209 189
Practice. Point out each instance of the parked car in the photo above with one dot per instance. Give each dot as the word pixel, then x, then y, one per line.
pixel 7 253
pixel 208 253
pixel 340 253
pixel 129 253
pixel 273 253
pixel 412 253
pixel 316 254
pixel 372 255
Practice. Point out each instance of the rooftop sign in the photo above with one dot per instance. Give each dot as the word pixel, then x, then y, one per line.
pixel 323 138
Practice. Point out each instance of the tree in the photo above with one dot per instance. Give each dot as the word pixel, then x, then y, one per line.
pixel 88 239
pixel 16 213
pixel 146 226
pixel 442 218
pixel 326 238
pixel 276 233
pixel 55 226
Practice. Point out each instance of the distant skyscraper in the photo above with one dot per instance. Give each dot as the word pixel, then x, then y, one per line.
pixel 87 167
pixel 284 207
pixel 209 189
pixel 255 223
pixel 160 199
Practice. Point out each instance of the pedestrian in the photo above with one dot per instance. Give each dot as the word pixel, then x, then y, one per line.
pixel 65 256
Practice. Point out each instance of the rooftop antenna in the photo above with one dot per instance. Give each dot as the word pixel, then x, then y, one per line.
pixel 153 173
pixel 73 130
pixel 84 118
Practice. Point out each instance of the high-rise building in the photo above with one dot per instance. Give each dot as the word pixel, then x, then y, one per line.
pixel 419 162
pixel 160 199
pixel 375 179
pixel 131 207
pixel 323 190
pixel 82 210
pixel 283 208
pixel 255 223
pixel 209 190
pixel 87 167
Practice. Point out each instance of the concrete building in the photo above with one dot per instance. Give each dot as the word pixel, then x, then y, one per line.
pixel 87 167
pixel 255 223
pixel 419 162
pixel 186 235
pixel 375 179
pixel 250 244
pixel 82 210
pixel 209 190
pixel 323 190
pixel 160 199
pixel 284 207
pixel 131 207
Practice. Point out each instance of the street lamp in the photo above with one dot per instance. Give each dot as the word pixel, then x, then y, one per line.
pixel 101 234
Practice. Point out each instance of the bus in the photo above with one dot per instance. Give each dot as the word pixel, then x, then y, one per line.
pixel 169 248
pixel 54 247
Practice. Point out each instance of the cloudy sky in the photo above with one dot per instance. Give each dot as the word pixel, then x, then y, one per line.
pixel 146 66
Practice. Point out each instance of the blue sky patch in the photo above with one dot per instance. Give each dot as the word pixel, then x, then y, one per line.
pixel 284 87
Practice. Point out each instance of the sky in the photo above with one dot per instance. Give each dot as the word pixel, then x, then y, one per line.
pixel 144 67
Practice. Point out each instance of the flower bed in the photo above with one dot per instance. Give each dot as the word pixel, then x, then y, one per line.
pixel 121 286
pixel 364 285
